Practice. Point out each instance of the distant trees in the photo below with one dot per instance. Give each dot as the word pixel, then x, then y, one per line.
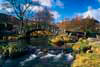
pixel 71 25
pixel 88 25
pixel 78 24
pixel 43 18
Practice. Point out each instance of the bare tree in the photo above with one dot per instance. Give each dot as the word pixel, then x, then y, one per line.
pixel 21 9
pixel 43 18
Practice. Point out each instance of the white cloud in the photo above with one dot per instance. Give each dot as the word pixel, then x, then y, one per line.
pixel 35 0
pixel 91 13
pixel 5 4
pixel 9 9
pixel 50 3
pixel 55 14
pixel 5 7
pixel 36 8
pixel 6 11
pixel 59 3
pixel 46 3
pixel 1 7
pixel 98 0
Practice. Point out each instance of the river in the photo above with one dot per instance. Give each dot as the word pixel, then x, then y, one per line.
pixel 49 60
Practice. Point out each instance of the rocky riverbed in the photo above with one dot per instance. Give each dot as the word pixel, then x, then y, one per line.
pixel 40 58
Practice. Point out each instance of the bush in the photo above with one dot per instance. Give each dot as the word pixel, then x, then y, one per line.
pixel 11 51
pixel 59 39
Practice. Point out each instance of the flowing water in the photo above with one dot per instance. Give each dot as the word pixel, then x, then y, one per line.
pixel 34 60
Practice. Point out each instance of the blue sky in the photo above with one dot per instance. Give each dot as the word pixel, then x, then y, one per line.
pixel 72 7
pixel 67 8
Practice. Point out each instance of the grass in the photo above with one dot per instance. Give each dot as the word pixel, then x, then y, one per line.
pixel 88 59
